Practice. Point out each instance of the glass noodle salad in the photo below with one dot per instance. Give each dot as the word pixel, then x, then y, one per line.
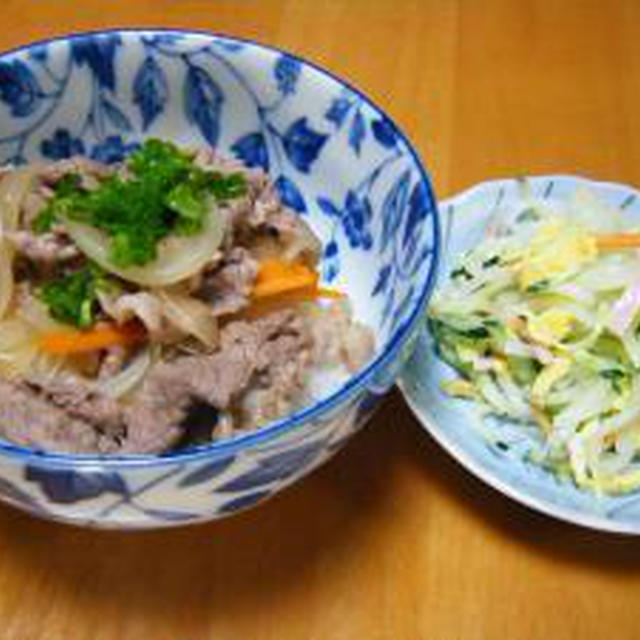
pixel 542 322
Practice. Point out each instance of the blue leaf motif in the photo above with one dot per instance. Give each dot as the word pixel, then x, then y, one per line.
pixel 167 39
pixel 328 208
pixel 13 493
pixel 338 110
pixel 330 261
pixel 302 144
pixel 112 149
pixel 388 305
pixel 19 88
pixel 39 52
pixel 65 487
pixel 252 150
pixel 150 90
pixel 286 72
pixel 409 252
pixel 98 53
pixel 203 100
pixel 384 132
pixel 243 502
pixel 366 406
pixel 206 472
pixel 400 311
pixel 356 220
pixel 357 132
pixel 61 145
pixel 117 118
pixel 427 250
pixel 393 208
pixel 290 194
pixel 420 206
pixel 382 281
pixel 170 516
pixel 230 47
pixel 275 467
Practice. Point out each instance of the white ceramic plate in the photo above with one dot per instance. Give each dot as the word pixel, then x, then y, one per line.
pixel 451 421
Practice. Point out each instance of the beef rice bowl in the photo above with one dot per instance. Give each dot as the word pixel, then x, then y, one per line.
pixel 164 301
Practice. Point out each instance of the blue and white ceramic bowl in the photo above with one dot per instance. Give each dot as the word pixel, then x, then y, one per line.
pixel 335 158
pixel 454 423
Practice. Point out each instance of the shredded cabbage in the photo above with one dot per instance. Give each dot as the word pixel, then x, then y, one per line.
pixel 545 329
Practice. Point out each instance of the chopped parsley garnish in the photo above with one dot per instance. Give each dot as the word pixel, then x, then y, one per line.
pixel 72 298
pixel 65 191
pixel 165 193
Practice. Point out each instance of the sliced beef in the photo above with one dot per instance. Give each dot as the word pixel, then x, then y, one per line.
pixel 280 384
pixel 44 250
pixel 90 172
pixel 261 212
pixel 258 373
pixel 28 418
pixel 247 350
pixel 82 403
pixel 227 287
pixel 67 415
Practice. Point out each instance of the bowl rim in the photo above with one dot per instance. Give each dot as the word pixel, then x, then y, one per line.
pixel 467 460
pixel 230 445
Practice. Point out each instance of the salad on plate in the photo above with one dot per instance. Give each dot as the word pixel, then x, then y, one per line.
pixel 541 320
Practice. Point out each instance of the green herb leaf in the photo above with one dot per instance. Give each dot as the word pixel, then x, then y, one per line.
pixel 165 194
pixel 72 298
pixel 67 190
pixel 228 187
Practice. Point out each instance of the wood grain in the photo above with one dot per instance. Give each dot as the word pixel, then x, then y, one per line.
pixel 391 539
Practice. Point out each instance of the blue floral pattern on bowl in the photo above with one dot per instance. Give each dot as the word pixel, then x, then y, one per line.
pixel 501 460
pixel 334 157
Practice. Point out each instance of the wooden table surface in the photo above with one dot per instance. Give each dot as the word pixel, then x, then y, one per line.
pixel 391 539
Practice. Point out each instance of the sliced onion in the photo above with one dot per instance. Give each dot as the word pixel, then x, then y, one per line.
pixel 7 253
pixel 191 316
pixel 34 313
pixel 129 378
pixel 303 243
pixel 179 257
pixel 143 305
pixel 14 186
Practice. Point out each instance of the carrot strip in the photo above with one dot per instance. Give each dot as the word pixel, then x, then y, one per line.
pixel 67 342
pixel 618 241
pixel 276 277
pixel 263 306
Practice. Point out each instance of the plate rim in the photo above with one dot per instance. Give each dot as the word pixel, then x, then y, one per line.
pixel 466 460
